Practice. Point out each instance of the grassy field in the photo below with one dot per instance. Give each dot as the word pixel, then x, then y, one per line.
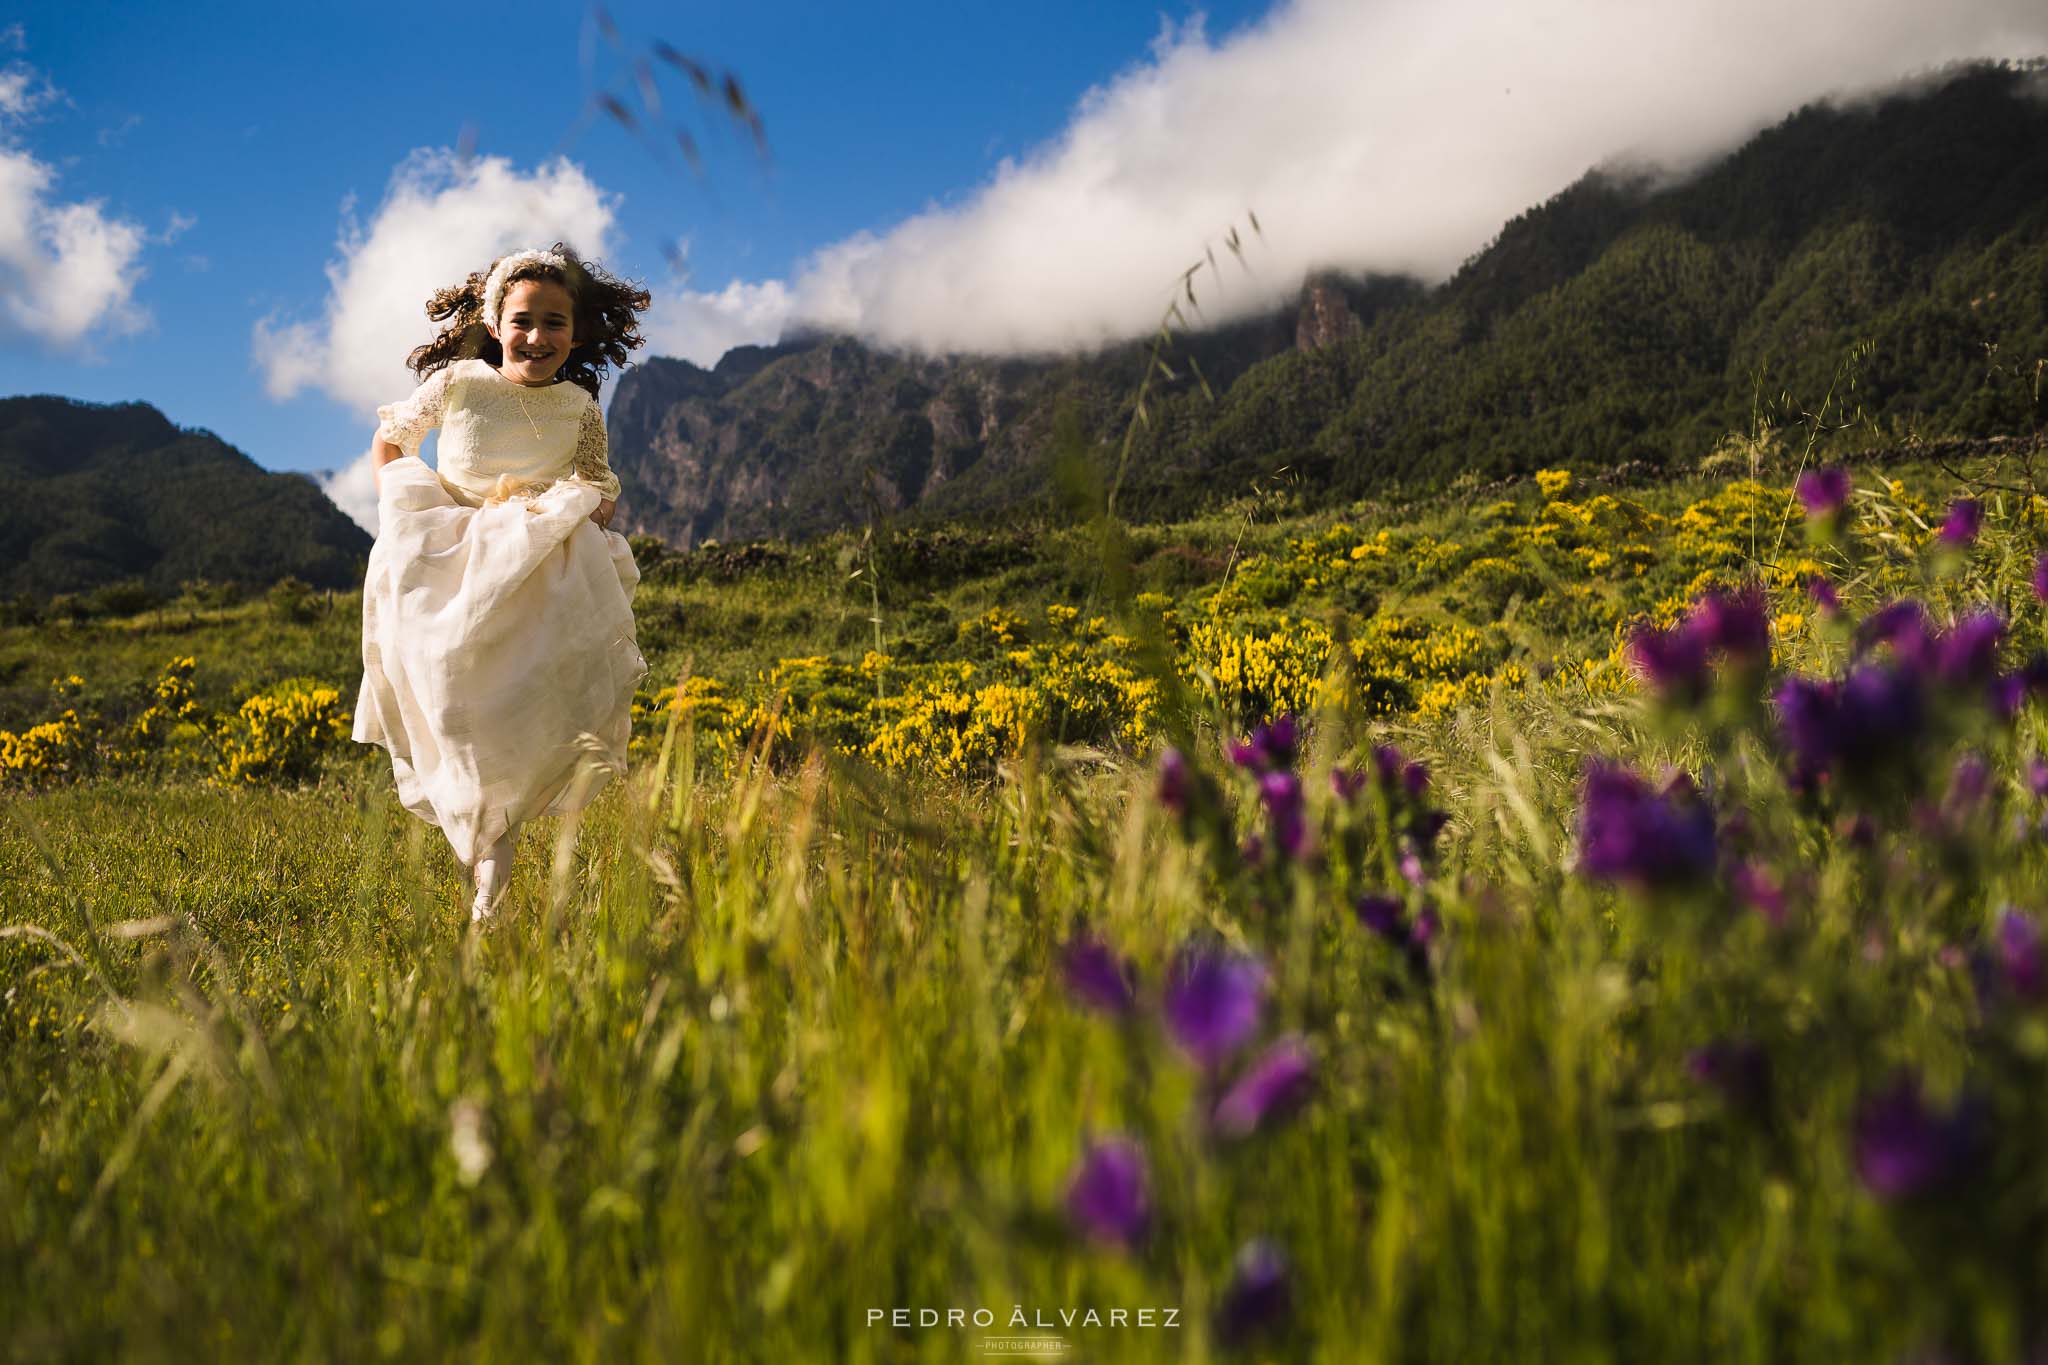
pixel 1748 1066
pixel 1535 574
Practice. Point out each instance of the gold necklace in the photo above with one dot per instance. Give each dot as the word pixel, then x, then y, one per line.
pixel 520 398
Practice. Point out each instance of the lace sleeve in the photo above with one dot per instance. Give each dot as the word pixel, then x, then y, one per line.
pixel 592 452
pixel 406 423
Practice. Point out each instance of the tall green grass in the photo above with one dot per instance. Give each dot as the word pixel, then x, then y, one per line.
pixel 750 1057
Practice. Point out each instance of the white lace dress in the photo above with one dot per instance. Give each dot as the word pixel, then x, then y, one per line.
pixel 499 652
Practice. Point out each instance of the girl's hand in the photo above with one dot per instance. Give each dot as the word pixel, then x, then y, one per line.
pixel 603 515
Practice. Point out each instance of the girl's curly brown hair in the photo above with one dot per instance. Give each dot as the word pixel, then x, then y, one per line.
pixel 606 320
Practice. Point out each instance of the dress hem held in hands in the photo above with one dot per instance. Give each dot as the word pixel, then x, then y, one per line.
pixel 499 651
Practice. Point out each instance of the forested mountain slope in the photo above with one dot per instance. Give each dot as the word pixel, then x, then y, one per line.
pixel 1893 252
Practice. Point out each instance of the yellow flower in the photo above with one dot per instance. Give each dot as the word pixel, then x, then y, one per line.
pixel 281 734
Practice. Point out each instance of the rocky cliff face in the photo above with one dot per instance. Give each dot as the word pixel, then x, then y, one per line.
pixel 798 438
pixel 1325 316
pixel 820 432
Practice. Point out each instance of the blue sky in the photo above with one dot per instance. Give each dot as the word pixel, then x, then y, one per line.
pixel 257 123
pixel 234 212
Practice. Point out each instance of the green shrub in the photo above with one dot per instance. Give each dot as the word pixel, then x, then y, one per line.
pixel 125 598
pixel 295 601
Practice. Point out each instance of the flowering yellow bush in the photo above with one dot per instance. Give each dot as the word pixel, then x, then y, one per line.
pixel 1552 588
pixel 1263 672
pixel 1410 647
pixel 933 729
pixel 54 749
pixel 942 724
pixel 701 702
pixel 281 733
pixel 1445 695
pixel 173 704
pixel 996 626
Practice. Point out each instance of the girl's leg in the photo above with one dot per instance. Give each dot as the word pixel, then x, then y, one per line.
pixel 493 872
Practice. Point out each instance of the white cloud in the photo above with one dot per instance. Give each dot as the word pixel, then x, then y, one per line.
pixel 354 490
pixel 1392 136
pixel 701 327
pixel 67 270
pixel 441 218
pixel 23 91
pixel 116 134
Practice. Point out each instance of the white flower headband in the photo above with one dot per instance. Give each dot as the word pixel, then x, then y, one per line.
pixel 494 287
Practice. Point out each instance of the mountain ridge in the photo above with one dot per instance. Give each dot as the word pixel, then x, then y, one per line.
pixel 1622 319
pixel 96 493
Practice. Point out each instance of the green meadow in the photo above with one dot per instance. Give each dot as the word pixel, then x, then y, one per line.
pixel 780 1037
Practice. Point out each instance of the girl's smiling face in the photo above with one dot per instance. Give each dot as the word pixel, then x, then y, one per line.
pixel 536 329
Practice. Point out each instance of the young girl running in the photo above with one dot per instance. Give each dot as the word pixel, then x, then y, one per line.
pixel 499 652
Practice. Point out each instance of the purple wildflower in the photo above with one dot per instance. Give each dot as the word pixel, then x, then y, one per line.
pixel 1095 976
pixel 1967 652
pixel 2008 694
pixel 1175 782
pixel 1824 595
pixel 1735 624
pixel 2009 691
pixel 1904 1148
pixel 1424 828
pixel 1258 1296
pixel 2041 578
pixel 1213 1003
pixel 1272 747
pixel 1760 891
pixel 1382 915
pixel 1739 1069
pixel 1399 773
pixel 1673 661
pixel 1278 1081
pixel 1965 519
pixel 1107 1196
pixel 1968 782
pixel 2020 957
pixel 1628 833
pixel 1403 783
pixel 1849 729
pixel 1824 491
pixel 1880 708
pixel 1807 709
pixel 1904 626
pixel 1280 793
pixel 2037 775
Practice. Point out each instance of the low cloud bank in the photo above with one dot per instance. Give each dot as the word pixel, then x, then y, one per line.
pixel 1366 136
